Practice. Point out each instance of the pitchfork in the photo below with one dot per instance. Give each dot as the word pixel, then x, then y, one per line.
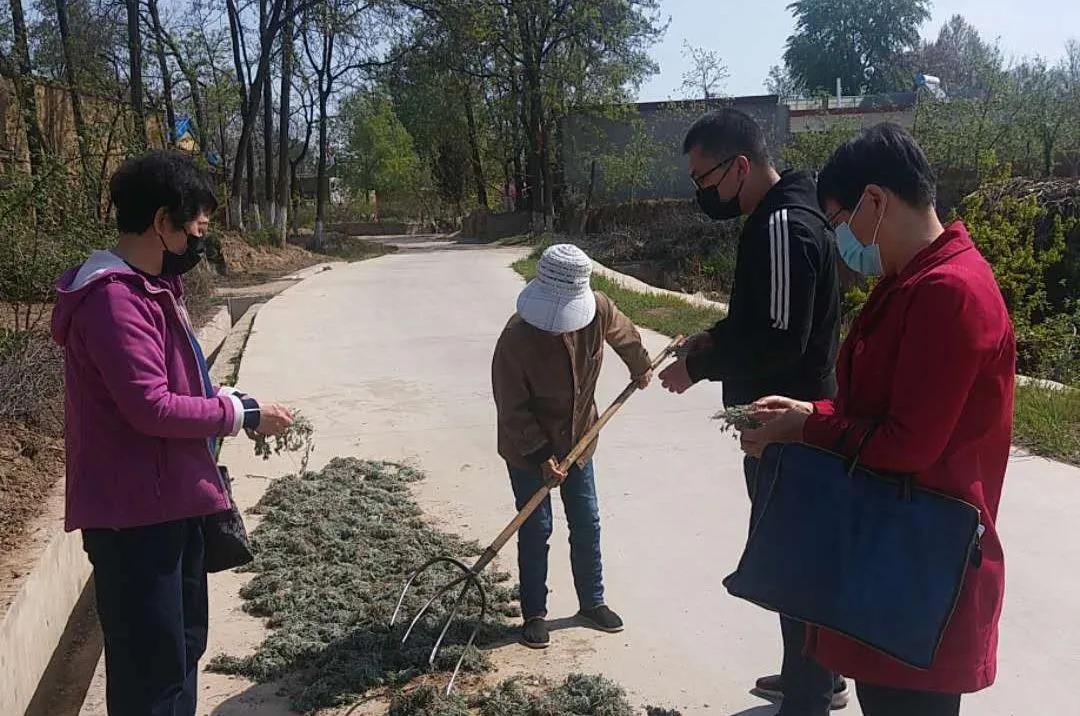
pixel 470 576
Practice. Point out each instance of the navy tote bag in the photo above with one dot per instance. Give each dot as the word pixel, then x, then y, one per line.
pixel 867 555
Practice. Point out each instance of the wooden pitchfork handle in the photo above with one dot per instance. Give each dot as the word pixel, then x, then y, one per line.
pixel 568 462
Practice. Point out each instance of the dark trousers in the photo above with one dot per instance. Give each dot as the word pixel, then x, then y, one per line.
pixel 583 515
pixel 887 701
pixel 808 686
pixel 150 584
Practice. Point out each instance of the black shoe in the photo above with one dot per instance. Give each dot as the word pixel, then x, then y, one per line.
pixel 535 634
pixel 602 618
pixel 771 688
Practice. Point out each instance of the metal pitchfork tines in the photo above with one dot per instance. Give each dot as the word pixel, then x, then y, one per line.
pixel 470 576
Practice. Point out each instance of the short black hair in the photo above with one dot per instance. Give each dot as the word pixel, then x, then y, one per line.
pixel 727 132
pixel 886 155
pixel 157 179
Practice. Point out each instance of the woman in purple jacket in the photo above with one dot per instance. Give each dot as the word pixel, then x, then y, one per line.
pixel 142 426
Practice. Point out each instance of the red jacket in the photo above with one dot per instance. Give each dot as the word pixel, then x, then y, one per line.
pixel 932 357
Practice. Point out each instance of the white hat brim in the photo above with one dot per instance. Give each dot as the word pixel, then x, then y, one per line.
pixel 543 309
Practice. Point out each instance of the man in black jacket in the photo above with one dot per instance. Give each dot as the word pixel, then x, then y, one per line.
pixel 780 335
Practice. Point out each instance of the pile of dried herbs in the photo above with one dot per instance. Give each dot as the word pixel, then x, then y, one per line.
pixel 578 695
pixel 332 553
pixel 737 418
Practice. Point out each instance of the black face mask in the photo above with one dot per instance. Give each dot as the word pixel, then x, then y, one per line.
pixel 716 208
pixel 709 199
pixel 179 264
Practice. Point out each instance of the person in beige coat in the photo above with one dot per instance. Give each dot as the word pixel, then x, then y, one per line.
pixel 544 375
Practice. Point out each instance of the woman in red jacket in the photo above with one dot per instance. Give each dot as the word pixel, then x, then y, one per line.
pixel 930 361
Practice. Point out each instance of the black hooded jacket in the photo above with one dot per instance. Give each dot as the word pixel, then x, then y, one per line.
pixel 781 332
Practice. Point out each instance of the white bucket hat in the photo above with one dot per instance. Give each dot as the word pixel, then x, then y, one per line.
pixel 559 299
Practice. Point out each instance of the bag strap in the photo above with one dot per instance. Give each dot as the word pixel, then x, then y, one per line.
pixel 867 434
pixel 906 482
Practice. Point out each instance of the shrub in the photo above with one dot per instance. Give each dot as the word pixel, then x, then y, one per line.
pixel 45 227
pixel 266 237
pixel 31 374
pixel 1007 232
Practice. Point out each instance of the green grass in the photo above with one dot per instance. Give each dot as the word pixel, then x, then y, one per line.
pixel 1047 422
pixel 669 315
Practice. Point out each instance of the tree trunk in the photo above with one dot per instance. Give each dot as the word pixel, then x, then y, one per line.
pixel 166 76
pixel 546 171
pixel 202 127
pixel 294 168
pixel 26 89
pixel 268 131
pixel 535 160
pixel 249 197
pixel 588 199
pixel 474 145
pixel 138 111
pixel 76 105
pixel 250 115
pixel 322 184
pixel 284 177
pixel 202 131
pixel 243 155
pixel 254 94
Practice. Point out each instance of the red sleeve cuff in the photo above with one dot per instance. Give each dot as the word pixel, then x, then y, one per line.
pixel 822 428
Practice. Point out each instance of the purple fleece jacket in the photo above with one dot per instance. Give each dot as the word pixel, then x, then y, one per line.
pixel 140 417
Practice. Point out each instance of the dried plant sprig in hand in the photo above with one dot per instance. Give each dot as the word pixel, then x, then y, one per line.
pixel 737 418
pixel 300 436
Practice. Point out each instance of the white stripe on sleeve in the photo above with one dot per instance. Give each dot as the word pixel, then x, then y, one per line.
pixel 785 253
pixel 772 269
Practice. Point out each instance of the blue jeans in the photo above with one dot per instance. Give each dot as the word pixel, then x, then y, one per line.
pixel 583 515
pixel 808 686
pixel 150 584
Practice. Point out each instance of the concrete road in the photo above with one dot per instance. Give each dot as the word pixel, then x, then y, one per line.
pixel 390 358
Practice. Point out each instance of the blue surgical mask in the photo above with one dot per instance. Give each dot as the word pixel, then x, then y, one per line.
pixel 863 259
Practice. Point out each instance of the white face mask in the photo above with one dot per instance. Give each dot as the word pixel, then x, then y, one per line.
pixel 863 259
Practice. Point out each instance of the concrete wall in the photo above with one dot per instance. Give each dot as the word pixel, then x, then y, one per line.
pixel 587 137
pixel 810 121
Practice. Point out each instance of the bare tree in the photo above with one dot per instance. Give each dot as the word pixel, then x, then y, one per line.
pixel 191 76
pixel 337 43
pixel 474 142
pixel 268 133
pixel 284 177
pixel 706 73
pixel 249 100
pixel 166 73
pixel 76 97
pixel 25 88
pixel 135 79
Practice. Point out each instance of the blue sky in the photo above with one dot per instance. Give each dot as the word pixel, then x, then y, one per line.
pixel 750 35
